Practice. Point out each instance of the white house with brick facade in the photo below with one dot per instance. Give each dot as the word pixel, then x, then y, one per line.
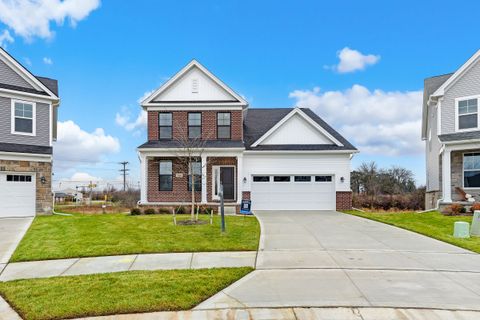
pixel 281 159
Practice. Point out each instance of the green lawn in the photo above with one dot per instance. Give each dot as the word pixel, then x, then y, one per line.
pixel 56 237
pixel 432 224
pixel 116 293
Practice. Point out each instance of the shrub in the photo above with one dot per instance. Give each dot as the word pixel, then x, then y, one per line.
pixel 164 211
pixel 454 209
pixel 149 211
pixel 475 207
pixel 180 210
pixel 135 212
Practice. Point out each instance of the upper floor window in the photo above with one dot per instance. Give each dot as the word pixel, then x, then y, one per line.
pixel 224 125
pixel 195 172
pixel 23 118
pixel 471 170
pixel 467 114
pixel 165 125
pixel 165 175
pixel 194 125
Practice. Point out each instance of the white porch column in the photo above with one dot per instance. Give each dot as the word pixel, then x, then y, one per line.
pixel 239 178
pixel 204 178
pixel 446 176
pixel 143 178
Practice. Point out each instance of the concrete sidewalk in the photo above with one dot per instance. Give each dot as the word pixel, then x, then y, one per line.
pixel 162 261
pixel 303 314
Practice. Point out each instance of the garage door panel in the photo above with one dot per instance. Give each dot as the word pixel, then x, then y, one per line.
pixel 293 195
pixel 17 198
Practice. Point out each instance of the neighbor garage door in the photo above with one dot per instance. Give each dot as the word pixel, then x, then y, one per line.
pixel 293 192
pixel 17 195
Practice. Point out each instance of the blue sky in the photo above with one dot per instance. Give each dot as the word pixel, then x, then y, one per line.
pixel 275 53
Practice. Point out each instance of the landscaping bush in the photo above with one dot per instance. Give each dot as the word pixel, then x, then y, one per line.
pixel 181 210
pixel 149 211
pixel 135 212
pixel 164 211
pixel 408 201
pixel 454 209
pixel 475 207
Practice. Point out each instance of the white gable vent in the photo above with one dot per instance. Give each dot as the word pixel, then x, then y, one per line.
pixel 194 85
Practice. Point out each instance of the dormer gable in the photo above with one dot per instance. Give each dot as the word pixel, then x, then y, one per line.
pixel 194 86
pixel 297 128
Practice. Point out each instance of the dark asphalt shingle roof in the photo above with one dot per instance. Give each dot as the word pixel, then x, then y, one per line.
pixel 208 144
pixel 259 121
pixel 256 123
pixel 51 84
pixel 22 89
pixel 471 135
pixel 25 148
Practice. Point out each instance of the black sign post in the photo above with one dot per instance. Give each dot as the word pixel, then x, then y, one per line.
pixel 222 208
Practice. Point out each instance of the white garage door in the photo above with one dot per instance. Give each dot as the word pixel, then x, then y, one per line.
pixel 17 195
pixel 293 192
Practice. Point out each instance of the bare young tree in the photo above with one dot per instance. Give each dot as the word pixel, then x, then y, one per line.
pixel 191 147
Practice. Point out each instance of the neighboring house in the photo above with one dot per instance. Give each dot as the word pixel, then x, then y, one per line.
pixel 451 130
pixel 281 159
pixel 28 125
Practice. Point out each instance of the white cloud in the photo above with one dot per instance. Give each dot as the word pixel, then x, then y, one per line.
pixel 83 176
pixel 47 60
pixel 76 145
pixel 123 119
pixel 5 38
pixel 377 122
pixel 353 60
pixel 32 18
pixel 145 96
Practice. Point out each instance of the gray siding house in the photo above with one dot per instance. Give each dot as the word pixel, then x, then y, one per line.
pixel 451 131
pixel 28 125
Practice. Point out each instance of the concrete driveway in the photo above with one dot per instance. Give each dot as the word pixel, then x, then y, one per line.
pixel 325 259
pixel 12 231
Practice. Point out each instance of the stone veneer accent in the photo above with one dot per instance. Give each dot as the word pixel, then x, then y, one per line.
pixel 457 175
pixel 344 200
pixel 44 197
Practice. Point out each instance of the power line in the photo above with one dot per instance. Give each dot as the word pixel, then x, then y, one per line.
pixel 124 171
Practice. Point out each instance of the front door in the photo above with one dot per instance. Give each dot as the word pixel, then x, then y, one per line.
pixel 227 179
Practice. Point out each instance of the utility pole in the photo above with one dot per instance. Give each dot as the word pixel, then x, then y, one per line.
pixel 124 171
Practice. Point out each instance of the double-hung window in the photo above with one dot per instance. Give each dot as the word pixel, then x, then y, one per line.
pixel 23 118
pixel 467 114
pixel 471 170
pixel 195 172
pixel 224 125
pixel 165 175
pixel 165 125
pixel 194 125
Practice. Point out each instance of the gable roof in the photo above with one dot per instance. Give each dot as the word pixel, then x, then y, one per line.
pixel 430 85
pixel 40 86
pixel 457 74
pixel 258 122
pixel 237 99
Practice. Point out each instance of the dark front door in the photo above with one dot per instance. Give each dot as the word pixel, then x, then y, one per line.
pixel 227 179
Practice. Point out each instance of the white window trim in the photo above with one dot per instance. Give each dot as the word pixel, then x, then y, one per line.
pixel 215 196
pixel 463 171
pixel 34 118
pixel 457 100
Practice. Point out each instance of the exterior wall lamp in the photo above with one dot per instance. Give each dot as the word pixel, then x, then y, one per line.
pixel 244 179
pixel 43 180
pixel 342 179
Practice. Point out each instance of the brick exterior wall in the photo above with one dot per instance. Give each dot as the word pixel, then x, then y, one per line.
pixel 209 125
pixel 344 200
pixel 179 192
pixel 246 195
pixel 214 161
pixel 44 197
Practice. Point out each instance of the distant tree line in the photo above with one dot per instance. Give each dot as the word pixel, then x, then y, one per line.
pixel 392 188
